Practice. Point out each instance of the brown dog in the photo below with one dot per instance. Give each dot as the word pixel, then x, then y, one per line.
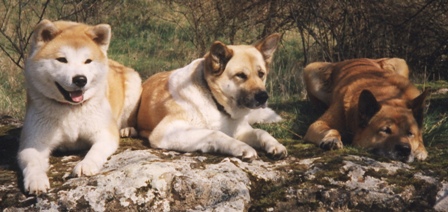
pixel 370 101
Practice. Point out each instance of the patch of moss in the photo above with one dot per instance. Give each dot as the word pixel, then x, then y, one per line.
pixel 331 169
pixel 133 144
pixel 303 150
pixel 143 191
pixel 211 158
pixel 265 194
pixel 403 178
pixel 5 130
pixel 83 205
pixel 426 192
pixel 376 174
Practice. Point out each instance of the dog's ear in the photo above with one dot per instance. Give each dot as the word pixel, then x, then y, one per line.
pixel 217 58
pixel 267 46
pixel 368 106
pixel 101 34
pixel 418 106
pixel 44 32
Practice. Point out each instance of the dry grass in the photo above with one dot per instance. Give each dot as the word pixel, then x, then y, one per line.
pixel 12 89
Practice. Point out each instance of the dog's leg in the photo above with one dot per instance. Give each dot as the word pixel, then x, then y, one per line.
pixel 323 133
pixel 36 142
pixel 33 160
pixel 261 139
pixel 132 100
pixel 179 136
pixel 105 143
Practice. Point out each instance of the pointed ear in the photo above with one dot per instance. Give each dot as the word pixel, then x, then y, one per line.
pixel 368 106
pixel 418 107
pixel 217 58
pixel 101 34
pixel 267 46
pixel 44 32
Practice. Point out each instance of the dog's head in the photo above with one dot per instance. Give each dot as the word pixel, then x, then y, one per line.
pixel 68 60
pixel 236 74
pixel 392 129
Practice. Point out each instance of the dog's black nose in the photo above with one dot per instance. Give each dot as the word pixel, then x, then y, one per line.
pixel 79 80
pixel 261 97
pixel 403 149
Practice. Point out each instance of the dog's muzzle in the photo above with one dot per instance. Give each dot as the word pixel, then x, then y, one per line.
pixel 253 100
pixel 76 96
pixel 400 152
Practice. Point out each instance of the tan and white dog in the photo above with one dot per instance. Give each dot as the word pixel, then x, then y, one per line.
pixel 204 106
pixel 76 98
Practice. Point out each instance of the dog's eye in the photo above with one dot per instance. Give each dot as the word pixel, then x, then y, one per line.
pixel 88 61
pixel 260 74
pixel 242 76
pixel 410 134
pixel 62 59
pixel 386 130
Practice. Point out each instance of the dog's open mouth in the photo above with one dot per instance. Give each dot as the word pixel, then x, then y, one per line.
pixel 71 96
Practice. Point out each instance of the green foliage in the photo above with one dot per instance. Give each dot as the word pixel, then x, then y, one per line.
pixel 153 36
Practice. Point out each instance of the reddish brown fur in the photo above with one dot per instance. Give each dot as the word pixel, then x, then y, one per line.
pixel 339 86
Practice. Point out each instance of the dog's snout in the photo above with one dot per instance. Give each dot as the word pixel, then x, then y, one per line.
pixel 261 97
pixel 403 149
pixel 80 80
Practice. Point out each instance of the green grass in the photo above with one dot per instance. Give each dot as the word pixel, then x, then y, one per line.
pixel 150 49
pixel 150 40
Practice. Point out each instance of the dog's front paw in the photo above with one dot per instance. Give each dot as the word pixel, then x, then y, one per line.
pixel 247 153
pixel 86 168
pixel 128 132
pixel 331 143
pixel 277 151
pixel 421 155
pixel 36 184
pixel 331 140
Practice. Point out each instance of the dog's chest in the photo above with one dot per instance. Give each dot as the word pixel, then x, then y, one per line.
pixel 203 112
pixel 72 123
pixel 220 121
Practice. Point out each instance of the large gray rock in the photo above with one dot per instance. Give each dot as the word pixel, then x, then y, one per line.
pixel 142 180
pixel 138 178
pixel 156 180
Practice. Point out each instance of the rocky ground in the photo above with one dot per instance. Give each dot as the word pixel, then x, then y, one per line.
pixel 138 178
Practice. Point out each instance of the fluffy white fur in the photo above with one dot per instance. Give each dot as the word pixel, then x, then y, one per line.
pixel 51 120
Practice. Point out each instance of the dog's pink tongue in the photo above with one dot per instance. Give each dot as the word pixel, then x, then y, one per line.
pixel 76 96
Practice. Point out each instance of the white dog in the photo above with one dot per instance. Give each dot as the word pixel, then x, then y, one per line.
pixel 76 98
pixel 206 106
